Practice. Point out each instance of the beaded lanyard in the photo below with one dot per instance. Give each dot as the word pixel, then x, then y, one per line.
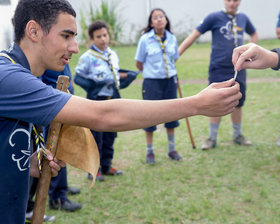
pixel 40 144
pixel 163 46
pixel 234 29
pixel 109 62
pixel 235 33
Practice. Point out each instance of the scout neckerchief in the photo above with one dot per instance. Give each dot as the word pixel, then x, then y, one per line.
pixel 39 140
pixel 108 60
pixel 163 46
pixel 235 28
pixel 7 56
pixel 40 145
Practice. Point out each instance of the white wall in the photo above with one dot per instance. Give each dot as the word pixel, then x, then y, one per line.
pixel 187 14
pixel 184 15
pixel 6 28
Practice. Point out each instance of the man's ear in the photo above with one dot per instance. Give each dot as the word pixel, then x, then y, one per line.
pixel 32 30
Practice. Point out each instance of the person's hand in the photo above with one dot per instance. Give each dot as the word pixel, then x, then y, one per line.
pixel 219 99
pixel 253 56
pixel 54 164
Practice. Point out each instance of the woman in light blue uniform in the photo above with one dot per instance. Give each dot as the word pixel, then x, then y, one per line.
pixel 156 53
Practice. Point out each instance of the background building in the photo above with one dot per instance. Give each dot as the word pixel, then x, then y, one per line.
pixel 184 15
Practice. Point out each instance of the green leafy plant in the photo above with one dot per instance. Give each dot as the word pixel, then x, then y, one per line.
pixel 106 12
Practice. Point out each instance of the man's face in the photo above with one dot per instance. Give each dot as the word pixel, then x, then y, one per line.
pixel 60 43
pixel 101 39
pixel 232 6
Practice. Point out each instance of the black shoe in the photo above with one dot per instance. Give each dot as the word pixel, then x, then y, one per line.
pixel 73 190
pixel 174 155
pixel 69 206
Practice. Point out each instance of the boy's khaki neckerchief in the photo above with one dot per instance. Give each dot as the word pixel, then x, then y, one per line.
pixel 109 62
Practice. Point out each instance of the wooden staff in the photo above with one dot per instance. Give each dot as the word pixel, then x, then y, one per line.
pixel 187 120
pixel 45 178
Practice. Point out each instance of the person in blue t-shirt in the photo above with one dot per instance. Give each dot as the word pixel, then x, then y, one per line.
pixel 156 53
pixel 278 32
pixel 45 38
pixel 227 27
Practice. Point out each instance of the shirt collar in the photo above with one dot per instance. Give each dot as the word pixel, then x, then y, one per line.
pixel 17 55
pixel 152 33
pixel 229 15
pixel 93 47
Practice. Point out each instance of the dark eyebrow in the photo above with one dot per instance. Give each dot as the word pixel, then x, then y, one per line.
pixel 69 32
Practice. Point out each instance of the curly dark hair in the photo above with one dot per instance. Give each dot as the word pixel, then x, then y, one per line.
pixel 44 12
pixel 96 25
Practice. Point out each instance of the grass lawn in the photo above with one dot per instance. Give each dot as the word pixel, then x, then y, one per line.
pixel 230 184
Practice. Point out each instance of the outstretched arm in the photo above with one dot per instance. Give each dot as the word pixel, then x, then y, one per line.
pixel 121 114
pixel 188 41
pixel 253 56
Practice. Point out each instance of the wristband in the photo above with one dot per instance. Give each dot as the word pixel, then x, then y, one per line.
pixel 277 50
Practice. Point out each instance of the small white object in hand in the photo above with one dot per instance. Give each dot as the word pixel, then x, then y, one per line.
pixel 235 75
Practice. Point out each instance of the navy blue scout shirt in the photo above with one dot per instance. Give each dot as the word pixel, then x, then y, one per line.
pixel 24 99
pixel 222 36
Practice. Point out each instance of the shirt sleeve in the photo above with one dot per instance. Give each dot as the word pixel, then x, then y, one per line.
pixel 278 21
pixel 25 97
pixel 82 68
pixel 140 51
pixel 176 56
pixel 250 29
pixel 206 24
pixel 116 60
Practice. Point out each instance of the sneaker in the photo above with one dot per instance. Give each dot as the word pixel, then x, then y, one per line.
pixel 150 158
pixel 69 206
pixel 208 144
pixel 73 190
pixel 98 177
pixel 47 218
pixel 241 140
pixel 174 155
pixel 113 172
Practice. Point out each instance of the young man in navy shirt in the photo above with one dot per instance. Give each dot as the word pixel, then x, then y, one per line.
pixel 45 39
pixel 227 27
